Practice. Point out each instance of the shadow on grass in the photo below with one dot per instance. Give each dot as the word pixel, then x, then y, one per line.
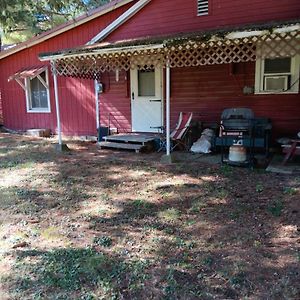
pixel 74 272
pixel 88 273
pixel 211 239
pixel 26 201
pixel 19 153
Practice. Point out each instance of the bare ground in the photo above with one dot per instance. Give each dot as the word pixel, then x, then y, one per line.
pixel 99 224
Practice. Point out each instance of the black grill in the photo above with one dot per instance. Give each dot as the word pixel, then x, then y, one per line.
pixel 237 119
pixel 241 124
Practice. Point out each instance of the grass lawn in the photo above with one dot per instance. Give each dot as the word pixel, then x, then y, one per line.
pixel 99 224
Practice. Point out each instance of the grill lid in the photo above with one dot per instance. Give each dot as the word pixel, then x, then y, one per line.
pixel 237 118
pixel 237 113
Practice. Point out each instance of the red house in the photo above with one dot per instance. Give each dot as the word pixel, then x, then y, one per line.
pixel 154 59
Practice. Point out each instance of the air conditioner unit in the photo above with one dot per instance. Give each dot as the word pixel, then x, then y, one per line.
pixel 276 83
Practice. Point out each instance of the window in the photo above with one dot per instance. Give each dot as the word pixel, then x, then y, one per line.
pixel 146 82
pixel 202 7
pixel 277 75
pixel 37 93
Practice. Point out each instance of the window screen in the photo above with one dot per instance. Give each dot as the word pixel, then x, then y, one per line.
pixel 146 82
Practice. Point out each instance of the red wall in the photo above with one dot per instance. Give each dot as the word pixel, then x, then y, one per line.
pixel 1 111
pixel 77 98
pixel 115 107
pixel 206 90
pixel 168 17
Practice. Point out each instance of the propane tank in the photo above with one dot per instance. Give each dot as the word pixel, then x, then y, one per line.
pixel 237 152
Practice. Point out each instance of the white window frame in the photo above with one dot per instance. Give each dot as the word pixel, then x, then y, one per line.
pixel 294 76
pixel 27 80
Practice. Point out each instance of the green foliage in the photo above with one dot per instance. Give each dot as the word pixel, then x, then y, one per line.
pixel 19 18
pixel 180 243
pixel 142 204
pixel 104 241
pixel 290 191
pixel 276 208
pixel 226 170
pixel 140 208
pixel 170 214
pixel 79 270
pixel 259 188
pixel 208 261
pixel 238 280
pixel 171 288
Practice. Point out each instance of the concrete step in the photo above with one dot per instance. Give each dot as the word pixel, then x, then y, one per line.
pixel 137 148
pixel 39 132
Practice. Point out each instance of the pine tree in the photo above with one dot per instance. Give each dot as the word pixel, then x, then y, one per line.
pixel 22 19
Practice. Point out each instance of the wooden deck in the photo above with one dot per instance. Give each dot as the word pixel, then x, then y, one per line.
pixel 130 141
pixel 132 138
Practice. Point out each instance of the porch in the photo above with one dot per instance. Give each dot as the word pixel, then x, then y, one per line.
pixel 137 142
pixel 209 49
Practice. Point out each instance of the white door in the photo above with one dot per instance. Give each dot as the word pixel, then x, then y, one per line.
pixel 146 100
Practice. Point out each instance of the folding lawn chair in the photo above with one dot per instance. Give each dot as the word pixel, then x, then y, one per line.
pixel 177 135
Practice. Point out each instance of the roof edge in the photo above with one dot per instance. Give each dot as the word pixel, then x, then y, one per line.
pixel 102 10
pixel 119 21
pixel 167 40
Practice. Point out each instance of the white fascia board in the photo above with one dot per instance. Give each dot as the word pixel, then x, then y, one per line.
pixel 119 21
pixel 72 25
pixel 126 49
pixel 245 34
pixel 287 28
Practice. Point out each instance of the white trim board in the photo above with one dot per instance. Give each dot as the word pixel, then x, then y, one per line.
pixel 28 95
pixel 119 21
pixel 88 52
pixel 260 74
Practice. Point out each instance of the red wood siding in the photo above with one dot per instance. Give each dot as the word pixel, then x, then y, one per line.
pixel 115 103
pixel 167 17
pixel 77 98
pixel 1 110
pixel 208 90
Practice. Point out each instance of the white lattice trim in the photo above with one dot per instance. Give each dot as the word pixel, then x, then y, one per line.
pixel 182 54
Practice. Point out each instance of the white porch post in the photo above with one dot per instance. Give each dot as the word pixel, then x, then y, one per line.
pixel 97 104
pixel 56 103
pixel 168 87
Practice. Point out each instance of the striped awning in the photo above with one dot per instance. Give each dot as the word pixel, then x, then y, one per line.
pixel 28 72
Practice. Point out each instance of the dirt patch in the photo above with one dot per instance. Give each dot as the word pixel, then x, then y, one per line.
pixel 99 224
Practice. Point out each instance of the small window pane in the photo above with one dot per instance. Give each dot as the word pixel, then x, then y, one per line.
pixel 39 97
pixel 278 65
pixel 146 82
